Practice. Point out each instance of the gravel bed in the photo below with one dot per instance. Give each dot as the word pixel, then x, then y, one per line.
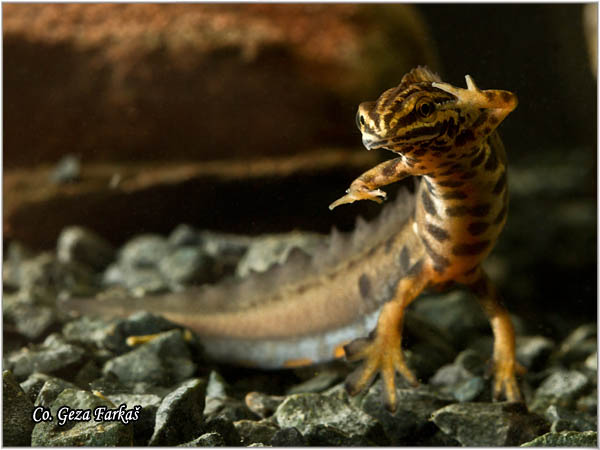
pixel 164 392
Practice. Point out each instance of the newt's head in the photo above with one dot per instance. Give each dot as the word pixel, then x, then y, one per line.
pixel 423 116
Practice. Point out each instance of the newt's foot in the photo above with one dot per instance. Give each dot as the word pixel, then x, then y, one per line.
pixel 381 355
pixel 355 193
pixel 505 383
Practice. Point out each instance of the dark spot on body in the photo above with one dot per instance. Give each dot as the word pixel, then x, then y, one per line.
pixel 494 120
pixel 404 259
pixel 415 268
pixel 470 249
pixel 481 210
pixel 490 95
pixel 438 233
pixel 500 184
pixel 506 96
pixel 389 244
pixel 454 195
pixel 476 228
pixel 428 204
pixel 451 183
pixel 487 130
pixel 468 175
pixel 420 151
pixel 464 137
pixel 480 287
pixel 461 210
pixel 440 263
pixel 492 162
pixel 372 252
pixel 364 286
pixel 480 120
pixel 457 211
pixel 478 159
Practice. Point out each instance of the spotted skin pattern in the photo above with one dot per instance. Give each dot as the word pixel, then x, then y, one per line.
pixel 446 136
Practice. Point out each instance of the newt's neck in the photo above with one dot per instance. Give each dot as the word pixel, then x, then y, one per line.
pixel 461 209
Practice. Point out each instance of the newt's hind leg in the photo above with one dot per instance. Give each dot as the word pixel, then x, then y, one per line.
pixel 505 365
pixel 382 351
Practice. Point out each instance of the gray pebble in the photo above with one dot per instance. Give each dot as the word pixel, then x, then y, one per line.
pixel 144 426
pixel 28 317
pixel 563 419
pixel 288 437
pixel 212 439
pixel 565 439
pixel 533 351
pixel 51 389
pixel 179 417
pixel 225 428
pixel 253 432
pixel 54 357
pixel 16 413
pixel 187 266
pixel 469 390
pixel 579 344
pixel 164 361
pixel 184 235
pixel 144 251
pixel 262 404
pixel 489 424
pixel 79 245
pixel 302 410
pixel 67 170
pixel 81 433
pixel 562 388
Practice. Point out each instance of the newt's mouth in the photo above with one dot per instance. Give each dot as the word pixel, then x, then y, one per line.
pixel 370 142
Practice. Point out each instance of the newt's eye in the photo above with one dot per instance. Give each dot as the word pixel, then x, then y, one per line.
pixel 360 120
pixel 425 109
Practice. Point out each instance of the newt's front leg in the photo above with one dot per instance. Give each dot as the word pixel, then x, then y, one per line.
pixel 365 187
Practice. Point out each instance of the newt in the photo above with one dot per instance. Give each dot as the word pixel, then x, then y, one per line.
pixel 316 308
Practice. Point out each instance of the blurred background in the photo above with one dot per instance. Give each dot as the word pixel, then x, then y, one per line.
pixel 240 118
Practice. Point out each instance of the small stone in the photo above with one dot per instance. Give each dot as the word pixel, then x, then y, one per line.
pixel 561 388
pixel 489 424
pixel 262 404
pixel 565 439
pixel 212 439
pixel 67 170
pixel 164 361
pixel 563 419
pixel 17 408
pixel 591 362
pixel 179 416
pixel 184 235
pixel 85 432
pixel 226 249
pixel 51 389
pixel 16 254
pixel 302 410
pixel 30 319
pixel 469 390
pixel 225 428
pixel 219 403
pixel 144 281
pixel 53 357
pixel 409 424
pixel 288 437
pixel 80 245
pixel 144 426
pixel 268 250
pixel 144 251
pixel 186 266
pixel 533 351
pixel 579 344
pixel 252 432
pixel 326 436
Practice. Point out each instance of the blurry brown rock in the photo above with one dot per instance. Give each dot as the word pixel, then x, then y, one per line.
pixel 142 95
pixel 191 81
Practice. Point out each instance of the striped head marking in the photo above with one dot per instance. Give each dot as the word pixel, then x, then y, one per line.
pixel 425 116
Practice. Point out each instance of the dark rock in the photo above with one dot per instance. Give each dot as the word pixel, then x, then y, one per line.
pixel 563 419
pixel 463 378
pixel 533 351
pixel 253 432
pixel 212 439
pixel 29 316
pixel 565 439
pixel 17 408
pixel 144 426
pixel 67 170
pixel 225 428
pixel 562 388
pixel 288 437
pixel 226 249
pixel 51 389
pixel 164 360
pixel 15 254
pixel 81 433
pixel 187 266
pixel 262 404
pixel 53 357
pixel 80 245
pixel 409 424
pixel 327 436
pixel 489 424
pixel 179 417
pixel 142 281
pixel 219 402
pixel 302 410
pixel 32 385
